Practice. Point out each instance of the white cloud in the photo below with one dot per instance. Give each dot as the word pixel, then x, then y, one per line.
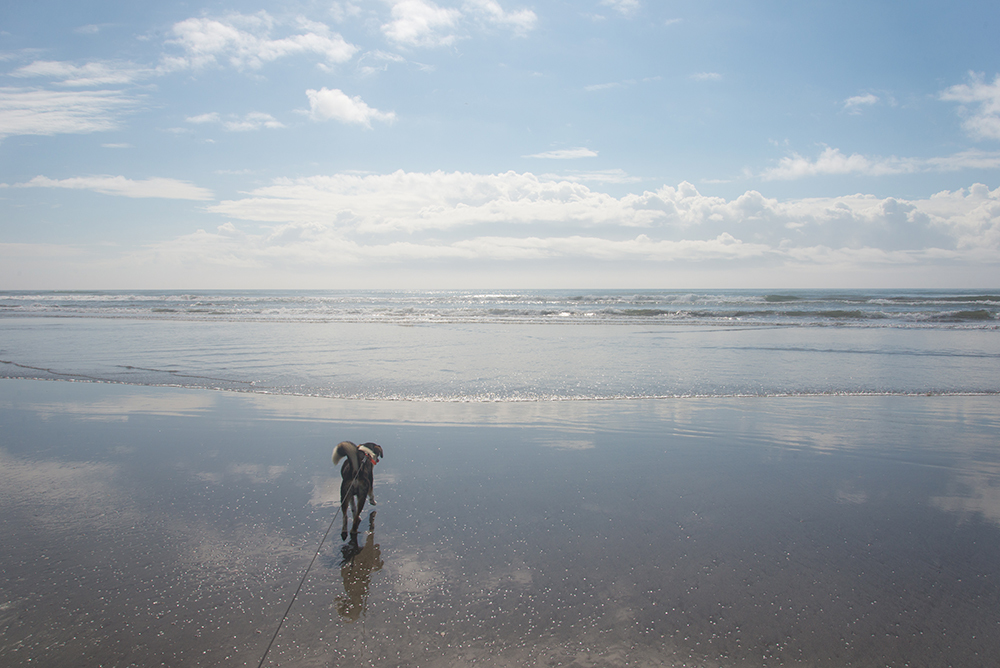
pixel 341 11
pixel 565 154
pixel 211 117
pixel 314 246
pixel 381 60
pixel 623 7
pixel 706 76
pixel 317 230
pixel 326 104
pixel 465 206
pixel 852 105
pixel 89 74
pixel 596 176
pixel 982 120
pixel 244 41
pixel 421 23
pixel 604 86
pixel 411 202
pixel 119 185
pixel 327 223
pixel 964 160
pixel 832 161
pixel 521 21
pixel 255 120
pixel 26 111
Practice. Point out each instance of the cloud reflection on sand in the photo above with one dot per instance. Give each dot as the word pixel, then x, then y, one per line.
pixel 67 494
pixel 119 408
pixel 975 494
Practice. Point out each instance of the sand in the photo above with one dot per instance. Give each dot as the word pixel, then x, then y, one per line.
pixel 163 526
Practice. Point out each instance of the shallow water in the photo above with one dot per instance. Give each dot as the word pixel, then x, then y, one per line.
pixel 160 525
pixel 496 362
pixel 511 346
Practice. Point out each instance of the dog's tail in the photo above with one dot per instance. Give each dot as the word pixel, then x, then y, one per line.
pixel 346 449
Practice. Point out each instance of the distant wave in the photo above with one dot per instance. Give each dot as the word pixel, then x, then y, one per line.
pixel 730 308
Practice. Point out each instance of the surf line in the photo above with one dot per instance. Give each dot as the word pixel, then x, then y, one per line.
pixel 304 576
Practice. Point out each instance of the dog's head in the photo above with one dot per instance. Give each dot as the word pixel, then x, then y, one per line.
pixel 375 448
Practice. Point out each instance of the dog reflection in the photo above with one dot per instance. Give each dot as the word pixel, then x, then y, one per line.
pixel 356 568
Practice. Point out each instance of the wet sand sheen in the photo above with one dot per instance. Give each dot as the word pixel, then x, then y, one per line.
pixel 158 525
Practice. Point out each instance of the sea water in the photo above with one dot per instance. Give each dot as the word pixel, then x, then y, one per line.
pixel 505 345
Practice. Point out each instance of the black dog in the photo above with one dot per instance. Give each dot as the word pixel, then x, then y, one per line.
pixel 358 473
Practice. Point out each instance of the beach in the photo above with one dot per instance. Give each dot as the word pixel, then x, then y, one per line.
pixel 172 526
pixel 609 478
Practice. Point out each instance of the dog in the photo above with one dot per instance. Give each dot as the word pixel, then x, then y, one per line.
pixel 358 484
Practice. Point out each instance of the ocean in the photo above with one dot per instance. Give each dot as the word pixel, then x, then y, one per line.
pixel 467 345
pixel 571 478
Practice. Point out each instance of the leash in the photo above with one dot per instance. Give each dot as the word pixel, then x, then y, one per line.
pixel 304 576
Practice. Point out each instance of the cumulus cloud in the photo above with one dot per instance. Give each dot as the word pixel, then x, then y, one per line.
pixel 413 202
pixel 334 104
pixel 832 161
pixel 422 23
pixel 980 105
pixel 27 111
pixel 245 42
pixel 565 154
pixel 467 206
pixel 119 185
pixel 403 223
pixel 327 224
pixel 706 76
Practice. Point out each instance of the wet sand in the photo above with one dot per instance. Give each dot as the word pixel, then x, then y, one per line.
pixel 162 526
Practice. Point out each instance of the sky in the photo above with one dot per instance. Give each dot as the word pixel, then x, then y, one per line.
pixel 499 143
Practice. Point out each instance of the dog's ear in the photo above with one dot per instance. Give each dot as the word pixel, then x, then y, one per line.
pixel 376 448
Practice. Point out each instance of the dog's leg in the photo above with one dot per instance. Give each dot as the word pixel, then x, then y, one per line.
pixel 357 515
pixel 371 487
pixel 354 514
pixel 345 499
pixel 343 512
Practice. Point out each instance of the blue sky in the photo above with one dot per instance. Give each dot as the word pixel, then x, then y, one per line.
pixel 499 143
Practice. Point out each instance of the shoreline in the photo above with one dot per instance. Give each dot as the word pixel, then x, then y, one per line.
pixel 548 399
